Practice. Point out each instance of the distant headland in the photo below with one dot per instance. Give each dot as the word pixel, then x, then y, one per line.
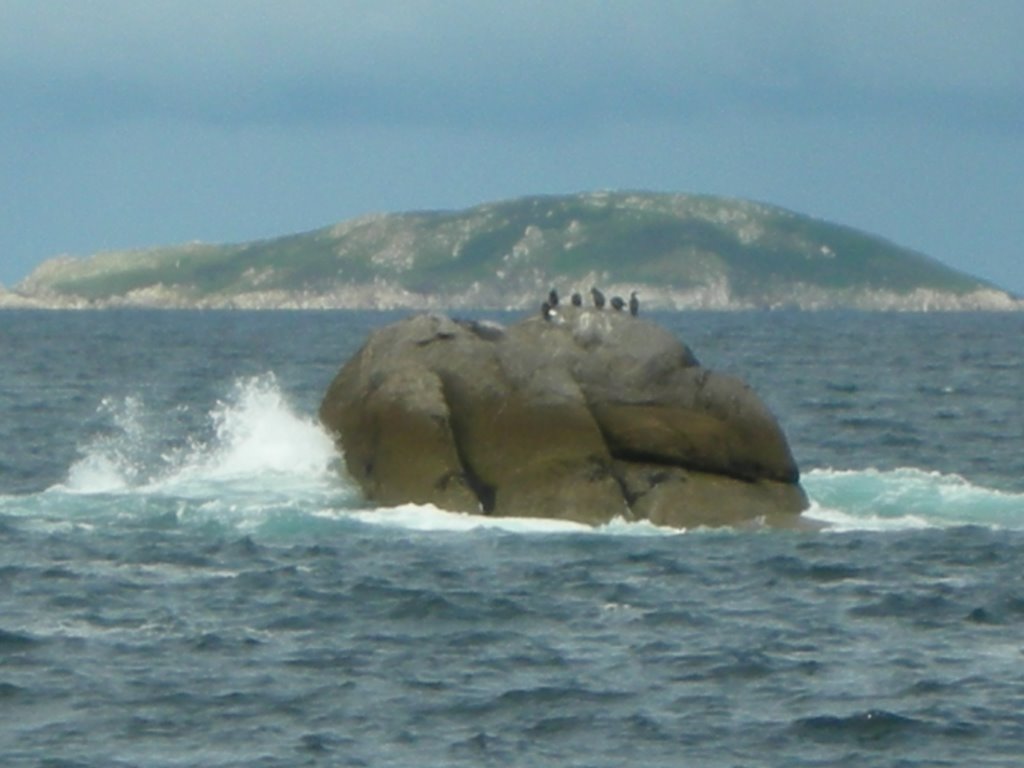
pixel 678 251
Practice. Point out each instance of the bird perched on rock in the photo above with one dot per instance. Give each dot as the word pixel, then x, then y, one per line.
pixel 634 304
pixel 545 311
pixel 553 298
pixel 618 303
pixel 598 298
pixel 577 300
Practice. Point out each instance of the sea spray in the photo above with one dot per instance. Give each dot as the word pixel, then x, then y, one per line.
pixel 114 458
pixel 255 459
pixel 258 464
pixel 257 432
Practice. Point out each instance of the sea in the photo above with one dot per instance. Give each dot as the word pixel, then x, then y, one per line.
pixel 187 578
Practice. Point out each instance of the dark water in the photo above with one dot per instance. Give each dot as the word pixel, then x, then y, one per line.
pixel 186 580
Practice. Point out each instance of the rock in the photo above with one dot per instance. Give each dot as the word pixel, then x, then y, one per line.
pixel 588 416
pixel 683 498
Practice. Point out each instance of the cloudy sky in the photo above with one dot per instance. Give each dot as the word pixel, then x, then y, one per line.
pixel 127 124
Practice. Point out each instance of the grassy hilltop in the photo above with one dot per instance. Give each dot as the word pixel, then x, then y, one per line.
pixel 677 250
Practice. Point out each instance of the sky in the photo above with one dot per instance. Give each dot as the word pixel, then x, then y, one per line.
pixel 128 124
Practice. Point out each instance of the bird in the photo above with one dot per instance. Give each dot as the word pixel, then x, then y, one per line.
pixel 553 298
pixel 545 310
pixel 598 298
pixel 577 300
pixel 634 304
pixel 618 303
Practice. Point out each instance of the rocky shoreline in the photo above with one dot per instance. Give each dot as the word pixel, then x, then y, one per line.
pixel 382 295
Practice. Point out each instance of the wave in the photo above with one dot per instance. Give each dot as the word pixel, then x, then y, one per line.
pixel 257 464
pixel 907 498
pixel 254 461
pixel 904 499
pixel 257 441
pixel 426 517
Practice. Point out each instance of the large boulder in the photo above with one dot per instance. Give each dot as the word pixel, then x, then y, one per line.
pixel 588 416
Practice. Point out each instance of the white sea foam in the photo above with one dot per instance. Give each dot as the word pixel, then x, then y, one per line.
pixel 845 500
pixel 111 461
pixel 259 446
pixel 907 498
pixel 258 462
pixel 839 521
pixel 96 473
pixel 427 517
pixel 258 436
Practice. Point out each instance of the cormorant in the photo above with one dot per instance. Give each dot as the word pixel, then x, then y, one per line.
pixel 634 304
pixel 618 303
pixel 598 298
pixel 553 298
pixel 577 300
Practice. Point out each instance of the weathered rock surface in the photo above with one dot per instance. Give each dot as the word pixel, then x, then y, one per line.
pixel 590 416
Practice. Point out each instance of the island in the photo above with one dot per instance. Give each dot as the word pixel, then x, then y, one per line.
pixel 680 251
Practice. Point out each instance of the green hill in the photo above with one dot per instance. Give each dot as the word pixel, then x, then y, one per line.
pixel 676 250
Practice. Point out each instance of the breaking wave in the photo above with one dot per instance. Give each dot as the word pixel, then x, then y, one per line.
pixel 906 499
pixel 256 441
pixel 256 463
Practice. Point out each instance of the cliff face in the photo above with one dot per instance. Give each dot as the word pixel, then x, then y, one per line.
pixel 679 251
pixel 588 415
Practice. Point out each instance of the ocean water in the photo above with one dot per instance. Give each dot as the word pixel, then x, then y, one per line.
pixel 187 579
